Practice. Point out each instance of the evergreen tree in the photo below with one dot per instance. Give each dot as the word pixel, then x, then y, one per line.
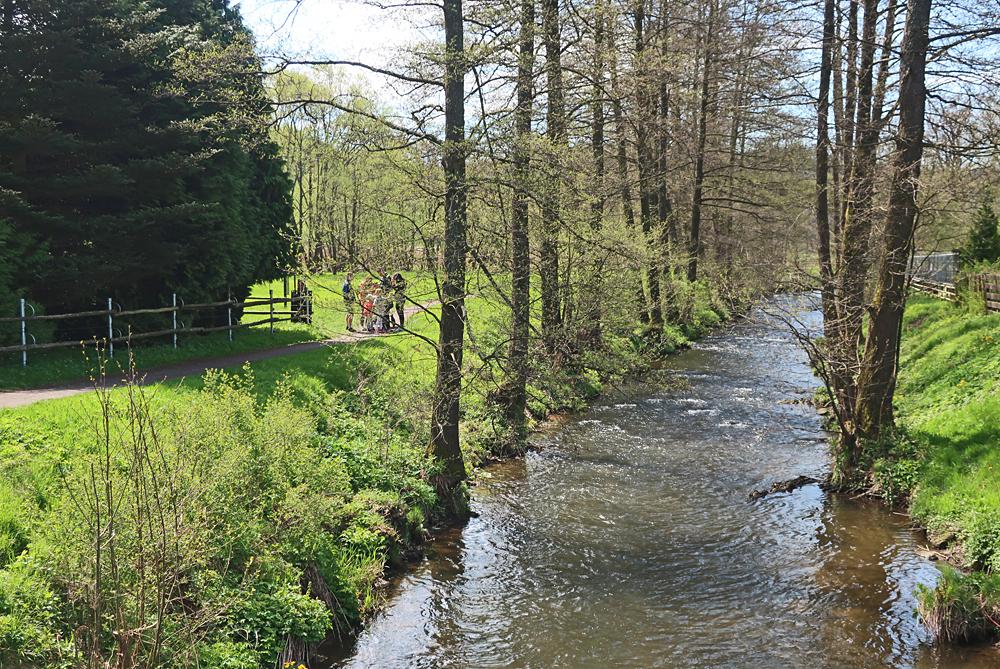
pixel 983 245
pixel 134 159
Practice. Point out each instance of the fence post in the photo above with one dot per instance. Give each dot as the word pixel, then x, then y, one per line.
pixel 24 337
pixel 229 314
pixel 270 305
pixel 175 318
pixel 111 331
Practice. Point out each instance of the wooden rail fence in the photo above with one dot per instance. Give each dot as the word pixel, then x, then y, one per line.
pixel 986 285
pixel 299 309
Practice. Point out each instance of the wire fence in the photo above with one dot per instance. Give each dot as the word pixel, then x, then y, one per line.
pixel 104 325
pixel 936 267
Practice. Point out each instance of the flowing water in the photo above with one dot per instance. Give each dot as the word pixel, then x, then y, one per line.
pixel 628 540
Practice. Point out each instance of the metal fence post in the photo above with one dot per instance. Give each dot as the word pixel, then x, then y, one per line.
pixel 175 319
pixel 111 331
pixel 270 304
pixel 229 315
pixel 24 336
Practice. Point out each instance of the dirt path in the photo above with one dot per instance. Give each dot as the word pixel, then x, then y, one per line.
pixel 10 399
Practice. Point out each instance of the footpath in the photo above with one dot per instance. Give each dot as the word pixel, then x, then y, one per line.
pixel 10 399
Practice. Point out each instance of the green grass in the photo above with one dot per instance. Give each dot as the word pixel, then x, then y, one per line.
pixel 949 403
pixel 359 410
pixel 46 368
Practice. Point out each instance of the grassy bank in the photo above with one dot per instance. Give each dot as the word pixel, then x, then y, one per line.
pixel 945 465
pixel 231 521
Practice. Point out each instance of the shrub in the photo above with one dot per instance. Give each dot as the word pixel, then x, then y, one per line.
pixel 959 607
pixel 983 243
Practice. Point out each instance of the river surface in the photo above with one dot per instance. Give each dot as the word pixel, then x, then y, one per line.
pixel 627 540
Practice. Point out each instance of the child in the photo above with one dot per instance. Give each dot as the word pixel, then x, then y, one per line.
pixel 381 311
pixel 369 304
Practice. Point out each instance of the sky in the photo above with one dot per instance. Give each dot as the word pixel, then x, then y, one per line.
pixel 336 29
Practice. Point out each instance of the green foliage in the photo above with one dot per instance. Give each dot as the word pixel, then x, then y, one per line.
pixel 30 617
pixel 228 655
pixel 283 527
pixel 954 608
pixel 983 243
pixel 135 163
pixel 895 478
pixel 981 540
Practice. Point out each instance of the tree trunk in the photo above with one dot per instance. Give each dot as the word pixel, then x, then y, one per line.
pixel 519 241
pixel 822 166
pixel 444 444
pixel 857 225
pixel 555 120
pixel 625 190
pixel 647 168
pixel 593 315
pixel 665 208
pixel 694 244
pixel 877 381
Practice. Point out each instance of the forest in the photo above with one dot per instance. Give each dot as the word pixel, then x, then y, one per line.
pixel 590 205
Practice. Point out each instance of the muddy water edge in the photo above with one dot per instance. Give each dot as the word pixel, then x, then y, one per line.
pixel 627 539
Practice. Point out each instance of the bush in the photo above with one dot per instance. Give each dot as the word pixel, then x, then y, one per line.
pixel 983 243
pixel 960 607
pixel 264 524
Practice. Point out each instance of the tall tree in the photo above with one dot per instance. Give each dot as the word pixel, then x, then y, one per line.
pixel 519 238
pixel 593 315
pixel 646 159
pixel 877 380
pixel 823 159
pixel 444 444
pixel 139 158
pixel 697 200
pixel 555 119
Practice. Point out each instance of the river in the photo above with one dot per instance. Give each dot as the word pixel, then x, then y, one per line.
pixel 627 539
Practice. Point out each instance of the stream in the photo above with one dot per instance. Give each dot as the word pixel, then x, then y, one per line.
pixel 627 539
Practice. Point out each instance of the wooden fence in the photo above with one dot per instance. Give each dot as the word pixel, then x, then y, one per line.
pixel 297 308
pixel 946 291
pixel 987 285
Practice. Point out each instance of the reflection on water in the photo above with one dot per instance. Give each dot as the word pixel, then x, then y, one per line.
pixel 628 541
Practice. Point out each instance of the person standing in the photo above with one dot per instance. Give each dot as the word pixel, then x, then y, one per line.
pixel 347 290
pixel 399 297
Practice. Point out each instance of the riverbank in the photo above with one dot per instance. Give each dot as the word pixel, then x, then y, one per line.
pixel 944 467
pixel 290 488
pixel 626 538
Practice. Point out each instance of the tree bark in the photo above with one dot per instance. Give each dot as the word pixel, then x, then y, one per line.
pixel 444 444
pixel 625 190
pixel 647 196
pixel 877 381
pixel 857 225
pixel 519 240
pixel 823 166
pixel 593 316
pixel 665 208
pixel 555 121
pixel 694 244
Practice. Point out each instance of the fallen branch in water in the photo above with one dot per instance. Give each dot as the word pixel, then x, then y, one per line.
pixel 786 486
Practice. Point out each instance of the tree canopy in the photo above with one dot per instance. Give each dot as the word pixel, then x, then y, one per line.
pixel 134 155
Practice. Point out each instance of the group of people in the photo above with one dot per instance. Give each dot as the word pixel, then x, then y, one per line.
pixel 377 296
